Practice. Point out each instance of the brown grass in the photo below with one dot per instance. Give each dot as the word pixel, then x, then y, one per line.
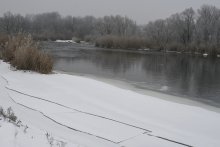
pixel 120 42
pixel 23 53
pixel 32 59
pixel 3 40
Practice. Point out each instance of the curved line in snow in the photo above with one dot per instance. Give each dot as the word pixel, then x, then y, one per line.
pixel 147 131
pixel 80 110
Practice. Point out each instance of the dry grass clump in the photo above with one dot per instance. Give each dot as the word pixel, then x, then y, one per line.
pixel 3 40
pixel 77 40
pixel 32 59
pixel 23 53
pixel 120 42
pixel 8 114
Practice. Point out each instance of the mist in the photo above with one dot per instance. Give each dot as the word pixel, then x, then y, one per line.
pixel 142 11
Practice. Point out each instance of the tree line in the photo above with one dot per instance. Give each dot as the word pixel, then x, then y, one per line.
pixel 189 31
pixel 53 26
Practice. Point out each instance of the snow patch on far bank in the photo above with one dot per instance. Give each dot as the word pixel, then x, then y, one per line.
pixel 65 41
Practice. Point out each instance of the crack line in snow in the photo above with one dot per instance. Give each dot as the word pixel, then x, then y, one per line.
pixel 80 130
pixel 61 123
pixel 173 141
pixel 80 110
pixel 147 131
pixel 131 138
pixel 163 138
pixel 49 117
pixel 4 79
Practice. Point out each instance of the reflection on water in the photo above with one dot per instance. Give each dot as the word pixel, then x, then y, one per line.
pixel 178 74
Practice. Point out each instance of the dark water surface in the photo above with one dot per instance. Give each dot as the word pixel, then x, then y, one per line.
pixel 195 77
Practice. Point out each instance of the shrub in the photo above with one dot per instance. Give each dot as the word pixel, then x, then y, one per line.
pixel 89 38
pixel 2 113
pixel 3 39
pixel 11 115
pixel 12 45
pixel 32 59
pixel 173 46
pixel 23 53
pixel 77 40
pixel 120 42
pixel 1 56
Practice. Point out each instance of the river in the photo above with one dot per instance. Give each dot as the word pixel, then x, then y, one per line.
pixel 188 76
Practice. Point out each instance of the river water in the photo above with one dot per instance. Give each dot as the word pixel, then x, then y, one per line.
pixel 192 77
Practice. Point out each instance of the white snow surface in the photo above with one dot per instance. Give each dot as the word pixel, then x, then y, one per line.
pixel 18 136
pixel 93 113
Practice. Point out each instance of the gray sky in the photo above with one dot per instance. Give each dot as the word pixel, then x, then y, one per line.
pixel 141 11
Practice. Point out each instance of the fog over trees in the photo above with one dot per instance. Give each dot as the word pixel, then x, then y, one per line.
pixel 51 26
pixel 188 31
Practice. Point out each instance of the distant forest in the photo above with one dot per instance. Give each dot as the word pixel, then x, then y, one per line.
pixel 194 31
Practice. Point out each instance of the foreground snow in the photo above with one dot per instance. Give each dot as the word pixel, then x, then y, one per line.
pixel 21 136
pixel 99 114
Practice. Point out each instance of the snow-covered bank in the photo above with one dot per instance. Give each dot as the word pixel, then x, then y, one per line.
pixel 36 120
pixel 111 114
pixel 132 86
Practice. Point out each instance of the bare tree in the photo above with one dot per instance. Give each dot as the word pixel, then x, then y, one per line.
pixel 188 18
pixel 208 26
pixel 159 33
pixel 7 23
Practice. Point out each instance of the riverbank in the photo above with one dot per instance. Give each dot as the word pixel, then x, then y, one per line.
pixel 148 92
pixel 81 105
pixel 91 46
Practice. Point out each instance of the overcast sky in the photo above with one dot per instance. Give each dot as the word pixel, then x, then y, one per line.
pixel 141 11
